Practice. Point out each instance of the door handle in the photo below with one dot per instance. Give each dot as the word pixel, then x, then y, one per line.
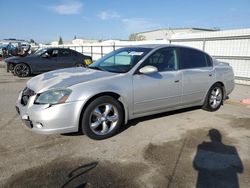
pixel 210 74
pixel 176 81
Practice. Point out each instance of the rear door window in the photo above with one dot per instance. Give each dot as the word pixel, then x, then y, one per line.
pixel 191 58
pixel 64 53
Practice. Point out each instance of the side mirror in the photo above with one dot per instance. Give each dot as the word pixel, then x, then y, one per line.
pixel 148 70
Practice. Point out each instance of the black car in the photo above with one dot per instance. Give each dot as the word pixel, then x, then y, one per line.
pixel 46 59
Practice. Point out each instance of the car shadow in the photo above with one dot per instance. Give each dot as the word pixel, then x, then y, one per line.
pixel 136 121
pixel 217 164
pixel 73 134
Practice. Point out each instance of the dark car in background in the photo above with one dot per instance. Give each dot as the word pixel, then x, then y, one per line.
pixel 46 59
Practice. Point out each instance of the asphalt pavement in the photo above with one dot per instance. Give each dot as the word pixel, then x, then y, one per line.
pixel 2 64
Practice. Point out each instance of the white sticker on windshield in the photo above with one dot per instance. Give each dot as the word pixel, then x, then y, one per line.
pixel 135 53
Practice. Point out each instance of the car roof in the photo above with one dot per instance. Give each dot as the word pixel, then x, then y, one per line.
pixel 57 48
pixel 158 46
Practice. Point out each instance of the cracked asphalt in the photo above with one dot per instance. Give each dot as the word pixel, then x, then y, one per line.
pixel 185 148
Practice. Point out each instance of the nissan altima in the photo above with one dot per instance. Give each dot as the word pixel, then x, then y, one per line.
pixel 127 83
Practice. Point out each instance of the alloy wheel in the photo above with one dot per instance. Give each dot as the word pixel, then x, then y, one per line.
pixel 22 70
pixel 103 119
pixel 215 98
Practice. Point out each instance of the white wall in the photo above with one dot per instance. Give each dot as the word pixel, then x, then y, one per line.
pixel 108 46
pixel 232 46
pixel 221 44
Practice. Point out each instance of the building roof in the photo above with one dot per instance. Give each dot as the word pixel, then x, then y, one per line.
pixel 192 28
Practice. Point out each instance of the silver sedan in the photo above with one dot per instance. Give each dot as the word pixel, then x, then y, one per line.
pixel 125 84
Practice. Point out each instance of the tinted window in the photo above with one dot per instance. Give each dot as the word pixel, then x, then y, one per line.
pixel 164 59
pixel 52 52
pixel 40 51
pixel 64 53
pixel 74 53
pixel 191 58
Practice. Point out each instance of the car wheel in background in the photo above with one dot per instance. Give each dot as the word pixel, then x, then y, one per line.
pixel 22 70
pixel 102 118
pixel 214 98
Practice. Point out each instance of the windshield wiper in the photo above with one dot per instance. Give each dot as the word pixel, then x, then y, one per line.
pixel 97 68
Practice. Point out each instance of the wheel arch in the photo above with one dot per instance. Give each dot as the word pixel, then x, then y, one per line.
pixel 117 96
pixel 223 90
pixel 25 64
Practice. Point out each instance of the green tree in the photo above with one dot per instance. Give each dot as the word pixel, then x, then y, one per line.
pixel 132 36
pixel 60 41
pixel 32 41
pixel 136 37
pixel 140 37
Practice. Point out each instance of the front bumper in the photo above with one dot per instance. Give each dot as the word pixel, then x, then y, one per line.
pixel 45 119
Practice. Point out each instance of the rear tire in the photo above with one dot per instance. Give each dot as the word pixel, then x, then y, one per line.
pixel 21 70
pixel 214 98
pixel 102 118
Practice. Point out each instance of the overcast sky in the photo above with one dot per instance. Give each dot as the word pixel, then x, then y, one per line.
pixel 46 20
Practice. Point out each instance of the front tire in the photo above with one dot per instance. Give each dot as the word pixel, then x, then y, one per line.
pixel 214 98
pixel 21 70
pixel 102 118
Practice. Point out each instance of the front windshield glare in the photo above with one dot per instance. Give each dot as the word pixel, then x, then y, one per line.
pixel 121 60
pixel 40 51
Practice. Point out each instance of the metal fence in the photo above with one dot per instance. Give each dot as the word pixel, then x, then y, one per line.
pixel 232 49
pixel 95 51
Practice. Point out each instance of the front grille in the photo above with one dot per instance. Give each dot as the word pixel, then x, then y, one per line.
pixel 27 93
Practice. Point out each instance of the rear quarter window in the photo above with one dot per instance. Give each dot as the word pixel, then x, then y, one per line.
pixel 64 53
pixel 191 58
pixel 75 53
pixel 209 60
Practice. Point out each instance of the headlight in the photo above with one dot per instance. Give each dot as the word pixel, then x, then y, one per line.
pixel 56 96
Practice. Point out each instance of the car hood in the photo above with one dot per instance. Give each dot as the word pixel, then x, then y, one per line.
pixel 16 59
pixel 63 78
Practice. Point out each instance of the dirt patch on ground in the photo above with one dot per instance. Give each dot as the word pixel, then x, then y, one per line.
pixel 3 149
pixel 236 122
pixel 241 122
pixel 163 159
pixel 70 172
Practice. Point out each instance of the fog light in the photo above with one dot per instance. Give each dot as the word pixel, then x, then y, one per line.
pixel 39 125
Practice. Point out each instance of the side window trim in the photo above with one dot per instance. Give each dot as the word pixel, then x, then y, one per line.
pixel 177 58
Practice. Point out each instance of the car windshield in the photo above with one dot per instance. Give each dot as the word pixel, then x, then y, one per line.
pixel 121 60
pixel 40 52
